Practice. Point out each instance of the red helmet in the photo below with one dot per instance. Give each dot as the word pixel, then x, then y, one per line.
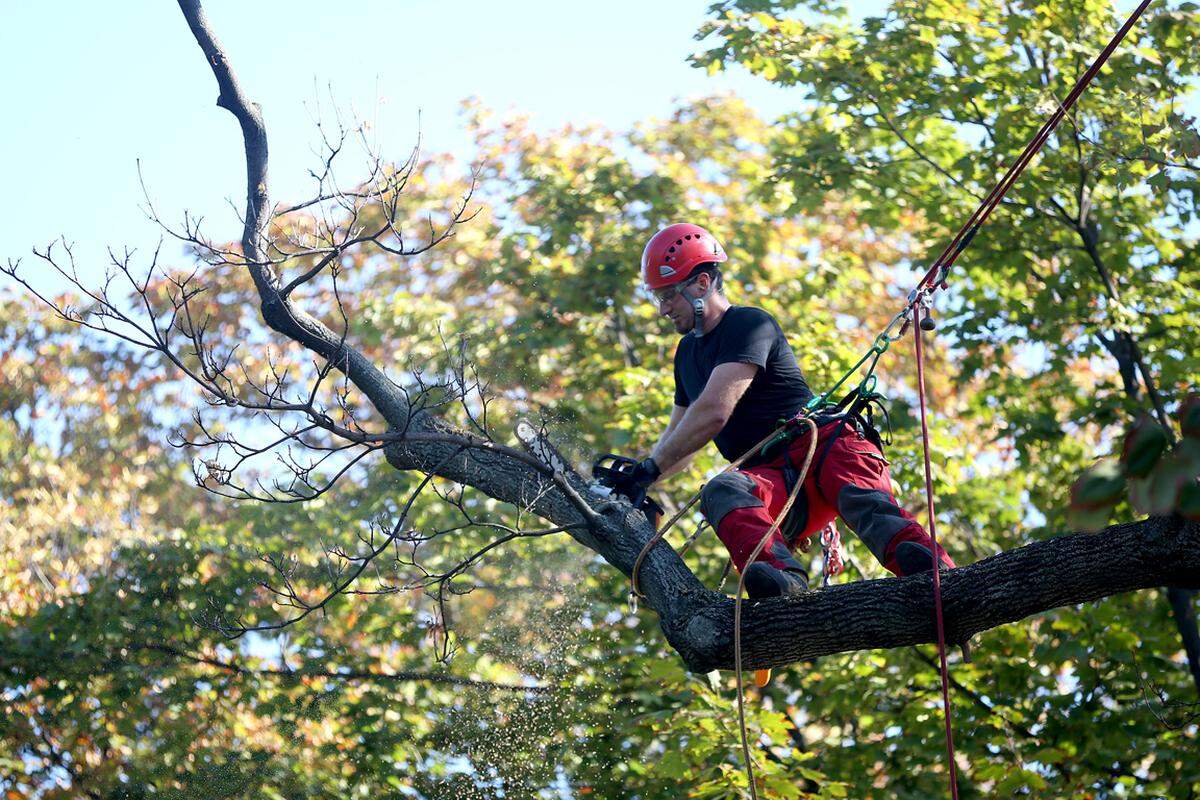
pixel 676 250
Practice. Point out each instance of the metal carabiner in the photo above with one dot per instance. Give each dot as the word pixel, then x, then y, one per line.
pixel 900 319
pixel 925 300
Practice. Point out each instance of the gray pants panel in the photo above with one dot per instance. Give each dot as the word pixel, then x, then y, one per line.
pixel 873 515
pixel 724 493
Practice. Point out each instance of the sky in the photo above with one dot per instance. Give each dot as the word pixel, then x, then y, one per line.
pixel 104 86
pixel 95 89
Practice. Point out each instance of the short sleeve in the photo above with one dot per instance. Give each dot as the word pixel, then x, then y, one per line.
pixel 750 341
pixel 681 398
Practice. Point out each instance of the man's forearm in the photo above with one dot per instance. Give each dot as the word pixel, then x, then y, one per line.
pixel 697 428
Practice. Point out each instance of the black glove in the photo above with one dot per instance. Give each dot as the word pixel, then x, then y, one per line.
pixel 638 481
pixel 630 479
pixel 646 473
pixel 634 481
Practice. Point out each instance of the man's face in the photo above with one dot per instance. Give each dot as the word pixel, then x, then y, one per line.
pixel 675 302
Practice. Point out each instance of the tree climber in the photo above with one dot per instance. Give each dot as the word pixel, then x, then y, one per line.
pixel 735 379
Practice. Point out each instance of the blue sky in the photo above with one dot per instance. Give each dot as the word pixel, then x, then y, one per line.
pixel 105 84
pixel 92 88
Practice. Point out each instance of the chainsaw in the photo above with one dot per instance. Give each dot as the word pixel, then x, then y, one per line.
pixel 610 472
pixel 613 471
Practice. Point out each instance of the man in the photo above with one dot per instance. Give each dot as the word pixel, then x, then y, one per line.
pixel 735 379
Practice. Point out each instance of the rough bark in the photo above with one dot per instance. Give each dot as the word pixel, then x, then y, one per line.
pixel 697 622
pixel 893 612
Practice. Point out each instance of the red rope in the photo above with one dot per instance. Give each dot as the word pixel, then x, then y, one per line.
pixel 937 555
pixel 928 283
pixel 961 239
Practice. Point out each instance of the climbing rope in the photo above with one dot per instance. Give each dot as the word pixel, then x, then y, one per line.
pixel 737 598
pixel 921 298
pixel 937 557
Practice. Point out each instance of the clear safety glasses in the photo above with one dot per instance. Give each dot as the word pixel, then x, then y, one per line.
pixel 661 297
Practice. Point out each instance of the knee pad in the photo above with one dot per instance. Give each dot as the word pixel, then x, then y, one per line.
pixel 873 515
pixel 727 492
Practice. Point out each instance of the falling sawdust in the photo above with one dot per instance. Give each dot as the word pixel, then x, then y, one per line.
pixel 515 745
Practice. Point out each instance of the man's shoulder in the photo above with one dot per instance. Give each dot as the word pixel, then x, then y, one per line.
pixel 750 317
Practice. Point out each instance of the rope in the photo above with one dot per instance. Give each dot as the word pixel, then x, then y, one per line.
pixel 920 296
pixel 936 274
pixel 937 557
pixel 737 602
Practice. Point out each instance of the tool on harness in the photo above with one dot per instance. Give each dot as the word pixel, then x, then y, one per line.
pixel 621 475
pixel 927 322
pixel 831 546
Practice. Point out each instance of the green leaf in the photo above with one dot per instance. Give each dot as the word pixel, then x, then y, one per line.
pixel 1100 486
pixel 1145 442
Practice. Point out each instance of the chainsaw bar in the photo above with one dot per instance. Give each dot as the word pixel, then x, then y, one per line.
pixel 541 448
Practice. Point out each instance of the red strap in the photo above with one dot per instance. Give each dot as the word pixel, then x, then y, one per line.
pixel 937 554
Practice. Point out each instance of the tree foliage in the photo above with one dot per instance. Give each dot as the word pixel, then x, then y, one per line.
pixel 529 676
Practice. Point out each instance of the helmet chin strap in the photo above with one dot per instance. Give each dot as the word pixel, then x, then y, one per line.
pixel 698 311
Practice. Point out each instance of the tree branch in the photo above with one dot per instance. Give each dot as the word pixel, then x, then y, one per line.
pixel 697 622
pixel 894 612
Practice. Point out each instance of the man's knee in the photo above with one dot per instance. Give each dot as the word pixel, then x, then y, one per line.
pixel 911 552
pixel 874 516
pixel 727 492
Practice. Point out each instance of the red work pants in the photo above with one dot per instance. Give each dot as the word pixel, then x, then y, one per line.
pixel 848 478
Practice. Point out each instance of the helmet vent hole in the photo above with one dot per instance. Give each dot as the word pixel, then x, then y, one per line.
pixel 679 241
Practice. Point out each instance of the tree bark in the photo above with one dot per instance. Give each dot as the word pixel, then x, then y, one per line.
pixel 1183 611
pixel 893 612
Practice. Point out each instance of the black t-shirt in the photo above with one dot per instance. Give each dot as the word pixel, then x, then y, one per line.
pixel 747 336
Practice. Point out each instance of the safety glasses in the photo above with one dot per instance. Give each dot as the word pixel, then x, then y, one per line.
pixel 661 297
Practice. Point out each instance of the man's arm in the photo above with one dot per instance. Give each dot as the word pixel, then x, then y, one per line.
pixel 677 413
pixel 705 418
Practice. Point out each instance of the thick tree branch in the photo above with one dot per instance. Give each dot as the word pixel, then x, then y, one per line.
pixel 894 612
pixel 1064 571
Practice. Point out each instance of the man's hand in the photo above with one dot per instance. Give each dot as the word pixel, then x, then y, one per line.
pixel 635 483
pixel 644 474
pixel 625 476
pixel 630 479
